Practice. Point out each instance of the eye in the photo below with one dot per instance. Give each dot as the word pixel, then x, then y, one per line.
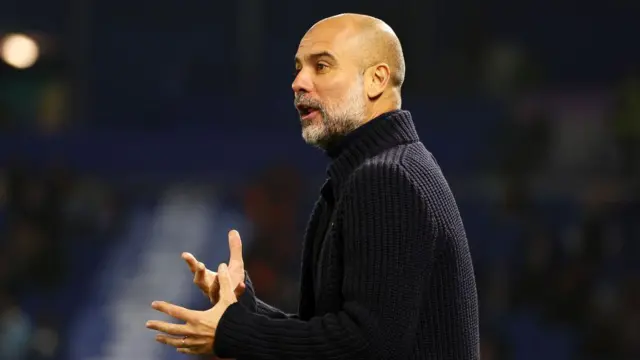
pixel 321 66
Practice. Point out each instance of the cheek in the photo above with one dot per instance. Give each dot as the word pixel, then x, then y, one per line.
pixel 333 96
pixel 333 87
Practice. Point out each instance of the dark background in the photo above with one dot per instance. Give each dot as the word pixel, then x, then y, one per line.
pixel 148 128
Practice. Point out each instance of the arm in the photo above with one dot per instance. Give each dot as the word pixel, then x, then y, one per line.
pixel 251 302
pixel 388 251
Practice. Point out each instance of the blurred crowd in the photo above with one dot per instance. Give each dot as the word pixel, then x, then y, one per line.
pixel 47 218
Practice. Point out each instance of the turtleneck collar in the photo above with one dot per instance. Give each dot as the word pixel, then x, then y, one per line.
pixel 382 133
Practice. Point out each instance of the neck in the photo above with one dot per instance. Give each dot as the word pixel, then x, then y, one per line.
pixel 387 104
pixel 381 111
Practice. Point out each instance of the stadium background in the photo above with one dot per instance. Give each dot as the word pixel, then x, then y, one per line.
pixel 148 128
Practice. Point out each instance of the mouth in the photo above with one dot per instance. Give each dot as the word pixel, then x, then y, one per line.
pixel 307 112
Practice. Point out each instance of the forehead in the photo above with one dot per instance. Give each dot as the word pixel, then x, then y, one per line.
pixel 330 38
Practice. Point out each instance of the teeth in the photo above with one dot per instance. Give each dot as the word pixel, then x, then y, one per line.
pixel 305 110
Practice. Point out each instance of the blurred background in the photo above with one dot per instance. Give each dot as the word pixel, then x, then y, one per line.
pixel 131 131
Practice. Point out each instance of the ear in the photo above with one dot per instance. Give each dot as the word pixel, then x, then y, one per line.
pixel 377 78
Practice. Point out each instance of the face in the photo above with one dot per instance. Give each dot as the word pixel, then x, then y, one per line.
pixel 328 86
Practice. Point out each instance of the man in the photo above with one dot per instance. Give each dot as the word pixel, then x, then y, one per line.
pixel 386 269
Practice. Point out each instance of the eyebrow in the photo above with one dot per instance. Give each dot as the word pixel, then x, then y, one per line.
pixel 318 55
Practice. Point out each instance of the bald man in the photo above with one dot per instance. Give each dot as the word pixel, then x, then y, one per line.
pixel 386 271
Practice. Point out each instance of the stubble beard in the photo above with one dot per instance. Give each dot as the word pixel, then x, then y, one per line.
pixel 335 122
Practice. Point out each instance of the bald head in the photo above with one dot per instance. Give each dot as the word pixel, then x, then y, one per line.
pixel 349 70
pixel 371 40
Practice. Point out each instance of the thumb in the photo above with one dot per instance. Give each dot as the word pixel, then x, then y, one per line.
pixel 224 279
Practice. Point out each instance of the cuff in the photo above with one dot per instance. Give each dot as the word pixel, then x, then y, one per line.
pixel 233 330
pixel 248 298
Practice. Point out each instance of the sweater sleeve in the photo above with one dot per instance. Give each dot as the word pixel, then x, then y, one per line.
pixel 252 303
pixel 388 249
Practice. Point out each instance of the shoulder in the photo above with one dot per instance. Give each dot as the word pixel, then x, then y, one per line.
pixel 381 175
pixel 409 174
pixel 410 166
pixel 425 171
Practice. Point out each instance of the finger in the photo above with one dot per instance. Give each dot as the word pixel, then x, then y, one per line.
pixel 215 287
pixel 235 246
pixel 193 351
pixel 181 342
pixel 186 351
pixel 169 328
pixel 199 277
pixel 191 261
pixel 224 278
pixel 175 311
pixel 240 289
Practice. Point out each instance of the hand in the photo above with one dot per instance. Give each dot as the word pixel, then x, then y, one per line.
pixel 207 279
pixel 197 335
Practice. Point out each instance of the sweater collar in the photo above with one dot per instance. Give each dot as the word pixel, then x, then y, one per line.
pixel 383 132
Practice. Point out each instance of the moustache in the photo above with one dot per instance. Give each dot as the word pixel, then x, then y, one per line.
pixel 301 100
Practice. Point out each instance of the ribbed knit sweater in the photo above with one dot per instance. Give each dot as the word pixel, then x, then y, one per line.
pixel 386 268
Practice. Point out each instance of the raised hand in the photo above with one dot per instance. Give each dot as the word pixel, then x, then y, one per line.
pixel 207 280
pixel 196 336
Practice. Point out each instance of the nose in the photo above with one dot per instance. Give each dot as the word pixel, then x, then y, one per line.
pixel 301 83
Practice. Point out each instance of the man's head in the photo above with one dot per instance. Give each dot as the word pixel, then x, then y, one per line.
pixel 349 69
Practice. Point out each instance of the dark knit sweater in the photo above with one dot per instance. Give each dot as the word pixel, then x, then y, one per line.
pixel 386 268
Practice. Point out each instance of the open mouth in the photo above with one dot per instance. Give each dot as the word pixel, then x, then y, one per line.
pixel 307 112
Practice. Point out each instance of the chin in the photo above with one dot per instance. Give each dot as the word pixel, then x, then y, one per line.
pixel 314 134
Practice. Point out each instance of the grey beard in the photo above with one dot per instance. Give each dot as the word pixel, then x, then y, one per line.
pixel 335 130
